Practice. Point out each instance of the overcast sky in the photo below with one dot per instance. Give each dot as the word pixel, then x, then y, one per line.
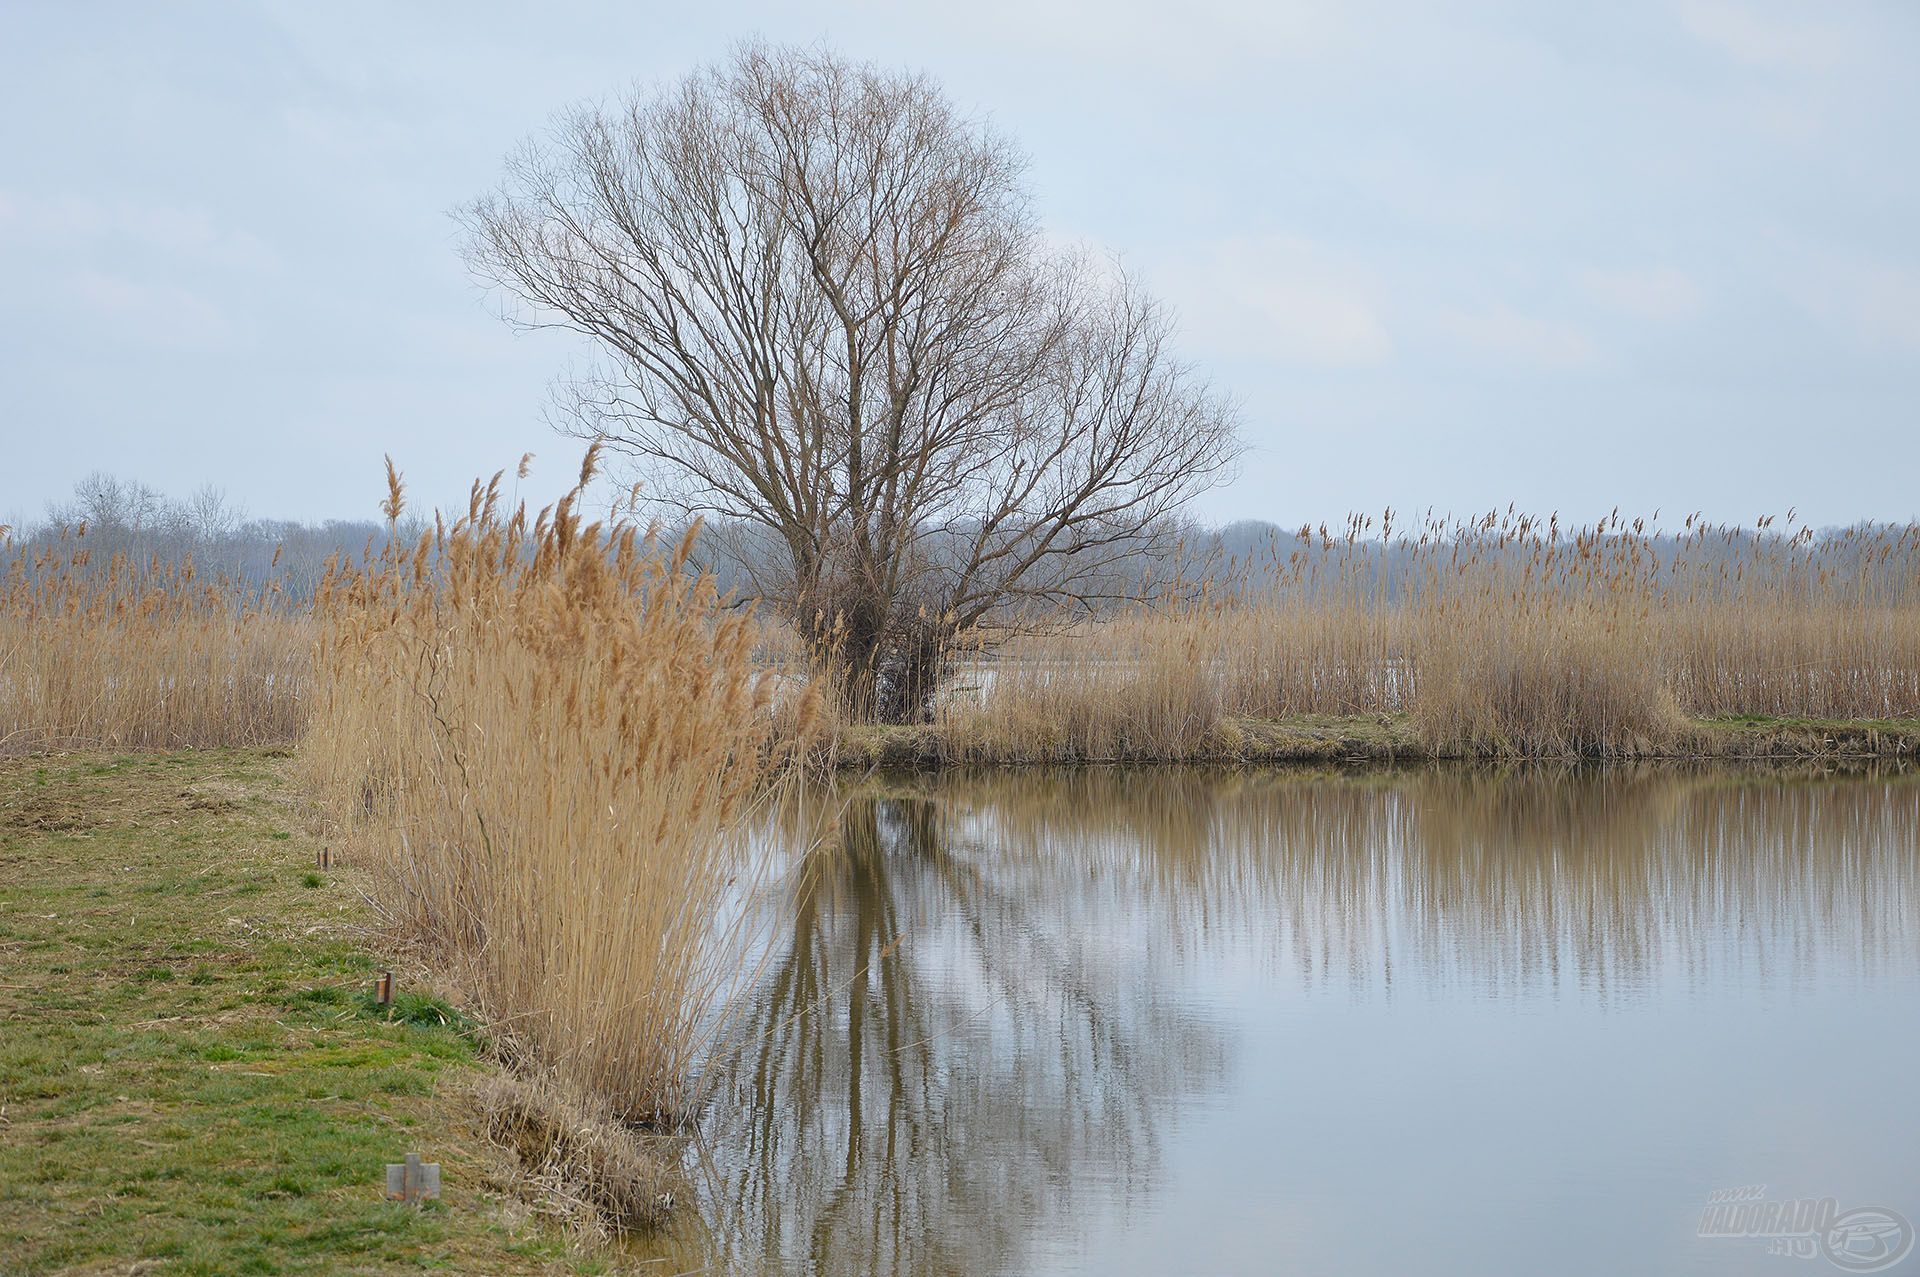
pixel 1564 255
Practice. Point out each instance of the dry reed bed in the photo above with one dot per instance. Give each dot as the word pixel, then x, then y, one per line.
pixel 1502 635
pixel 125 655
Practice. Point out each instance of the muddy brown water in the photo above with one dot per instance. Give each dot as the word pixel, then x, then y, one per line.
pixel 1174 1021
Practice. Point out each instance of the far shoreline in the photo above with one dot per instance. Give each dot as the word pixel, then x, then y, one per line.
pixel 1371 739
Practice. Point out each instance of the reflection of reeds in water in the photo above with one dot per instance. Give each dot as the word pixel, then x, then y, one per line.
pixel 1609 888
pixel 989 996
pixel 1595 880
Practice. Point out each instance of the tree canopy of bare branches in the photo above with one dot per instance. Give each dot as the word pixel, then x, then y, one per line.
pixel 824 311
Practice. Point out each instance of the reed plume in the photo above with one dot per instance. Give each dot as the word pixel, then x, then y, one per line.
pixel 541 736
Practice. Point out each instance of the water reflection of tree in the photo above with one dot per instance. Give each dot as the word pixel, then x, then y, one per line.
pixel 934 1064
pixel 977 1017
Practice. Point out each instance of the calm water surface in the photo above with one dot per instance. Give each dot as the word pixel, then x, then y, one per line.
pixel 1168 1022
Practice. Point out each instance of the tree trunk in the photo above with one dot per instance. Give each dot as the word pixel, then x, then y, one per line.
pixel 888 678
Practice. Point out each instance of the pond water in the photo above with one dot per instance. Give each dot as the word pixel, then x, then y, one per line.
pixel 1441 1021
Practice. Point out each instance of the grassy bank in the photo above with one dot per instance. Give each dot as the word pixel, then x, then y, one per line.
pixel 193 1075
pixel 1333 738
pixel 534 736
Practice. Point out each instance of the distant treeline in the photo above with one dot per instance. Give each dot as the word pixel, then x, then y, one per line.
pixel 108 517
pixel 111 517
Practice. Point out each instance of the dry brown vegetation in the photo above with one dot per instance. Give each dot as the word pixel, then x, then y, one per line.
pixel 143 655
pixel 1504 635
pixel 577 1158
pixel 542 737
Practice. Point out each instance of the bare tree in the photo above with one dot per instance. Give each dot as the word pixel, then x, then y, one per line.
pixel 110 504
pixel 826 310
pixel 211 516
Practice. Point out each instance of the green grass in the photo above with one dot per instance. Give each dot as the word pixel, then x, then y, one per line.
pixel 194 1077
pixel 1885 726
pixel 1765 735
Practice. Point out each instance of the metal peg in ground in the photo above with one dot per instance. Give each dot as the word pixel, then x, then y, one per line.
pixel 413 1180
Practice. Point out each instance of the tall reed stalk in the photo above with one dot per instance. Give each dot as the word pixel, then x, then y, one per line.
pixel 542 738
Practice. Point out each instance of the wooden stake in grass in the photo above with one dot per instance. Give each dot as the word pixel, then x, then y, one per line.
pixel 413 1180
pixel 383 989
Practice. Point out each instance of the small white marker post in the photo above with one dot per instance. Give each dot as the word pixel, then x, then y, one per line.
pixel 413 1180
